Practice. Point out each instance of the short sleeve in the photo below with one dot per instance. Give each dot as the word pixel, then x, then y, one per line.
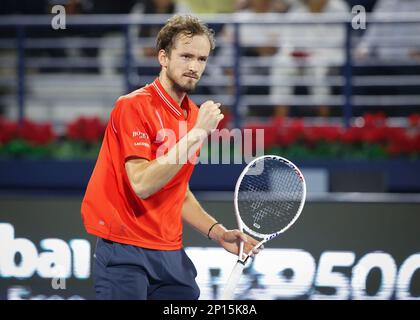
pixel 132 130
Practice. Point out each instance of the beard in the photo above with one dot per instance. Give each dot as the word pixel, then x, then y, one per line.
pixel 187 87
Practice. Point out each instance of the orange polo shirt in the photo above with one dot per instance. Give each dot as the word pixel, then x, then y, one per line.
pixel 143 124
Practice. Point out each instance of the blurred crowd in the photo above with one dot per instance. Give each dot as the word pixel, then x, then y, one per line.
pixel 293 68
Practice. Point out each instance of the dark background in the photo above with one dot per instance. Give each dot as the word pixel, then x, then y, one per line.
pixel 361 228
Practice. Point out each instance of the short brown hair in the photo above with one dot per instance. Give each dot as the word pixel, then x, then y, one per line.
pixel 185 25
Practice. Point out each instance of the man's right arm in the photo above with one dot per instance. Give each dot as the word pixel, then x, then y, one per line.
pixel 148 177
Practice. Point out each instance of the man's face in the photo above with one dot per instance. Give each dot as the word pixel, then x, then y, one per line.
pixel 186 62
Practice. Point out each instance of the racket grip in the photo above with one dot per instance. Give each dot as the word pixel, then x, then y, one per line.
pixel 233 281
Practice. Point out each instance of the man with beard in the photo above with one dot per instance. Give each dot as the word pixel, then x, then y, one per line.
pixel 138 195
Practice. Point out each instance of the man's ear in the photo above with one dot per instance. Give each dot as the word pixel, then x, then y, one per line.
pixel 163 58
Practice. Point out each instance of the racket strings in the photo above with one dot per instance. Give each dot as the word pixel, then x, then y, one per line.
pixel 288 190
pixel 269 201
pixel 291 195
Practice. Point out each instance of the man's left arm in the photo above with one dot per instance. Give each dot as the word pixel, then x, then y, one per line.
pixel 194 214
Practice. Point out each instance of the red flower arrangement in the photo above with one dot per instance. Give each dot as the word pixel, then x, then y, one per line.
pixel 8 131
pixel 371 137
pixel 29 131
pixel 26 138
pixel 36 134
pixel 89 130
pixel 31 139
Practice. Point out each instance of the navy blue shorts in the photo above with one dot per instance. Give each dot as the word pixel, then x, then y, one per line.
pixel 126 272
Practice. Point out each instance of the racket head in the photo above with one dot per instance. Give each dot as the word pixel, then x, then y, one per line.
pixel 266 179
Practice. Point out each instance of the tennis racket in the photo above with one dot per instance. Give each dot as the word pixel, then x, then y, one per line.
pixel 269 196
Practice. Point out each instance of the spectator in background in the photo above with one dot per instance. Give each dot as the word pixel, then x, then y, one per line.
pixel 72 7
pixel 111 52
pixel 309 51
pixel 389 41
pixel 44 7
pixel 144 35
pixel 256 41
pixel 151 31
pixel 8 54
pixel 111 6
pixel 206 6
pixel 395 50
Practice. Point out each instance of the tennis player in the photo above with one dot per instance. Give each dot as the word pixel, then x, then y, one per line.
pixel 138 196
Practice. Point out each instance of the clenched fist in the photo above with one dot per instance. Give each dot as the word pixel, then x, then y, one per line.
pixel 209 116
